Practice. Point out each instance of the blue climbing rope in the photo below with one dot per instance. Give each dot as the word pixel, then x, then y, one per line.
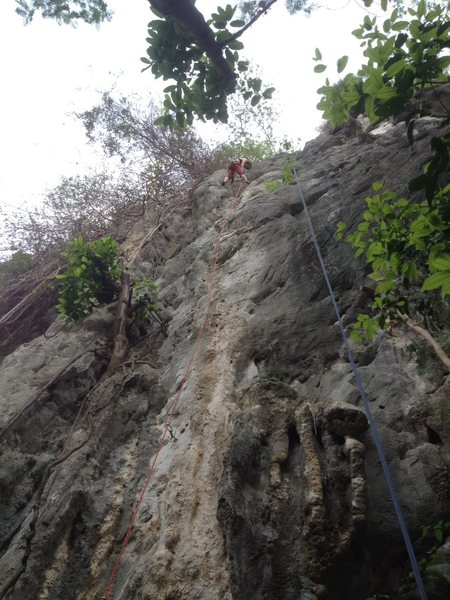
pixel 362 391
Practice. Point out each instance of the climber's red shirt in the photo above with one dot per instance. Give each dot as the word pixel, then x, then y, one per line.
pixel 235 168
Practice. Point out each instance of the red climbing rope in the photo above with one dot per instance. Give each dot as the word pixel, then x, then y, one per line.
pixel 175 403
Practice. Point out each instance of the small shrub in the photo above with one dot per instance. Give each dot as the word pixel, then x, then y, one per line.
pixel 145 295
pixel 272 186
pixel 90 278
pixel 19 263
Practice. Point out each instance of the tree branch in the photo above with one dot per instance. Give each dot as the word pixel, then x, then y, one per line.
pixel 426 335
pixel 120 345
pixel 185 13
pixel 262 12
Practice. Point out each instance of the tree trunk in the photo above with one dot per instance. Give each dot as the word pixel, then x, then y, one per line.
pixel 120 346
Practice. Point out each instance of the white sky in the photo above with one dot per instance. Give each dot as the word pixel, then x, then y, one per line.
pixel 49 71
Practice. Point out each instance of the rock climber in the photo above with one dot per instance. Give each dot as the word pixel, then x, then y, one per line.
pixel 237 168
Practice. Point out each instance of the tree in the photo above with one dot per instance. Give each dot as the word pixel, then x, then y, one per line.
pixel 405 241
pixel 90 277
pixel 65 11
pixel 201 56
pixel 157 167
pixel 90 205
pixel 403 58
pixel 250 126
pixel 16 265
pixel 128 132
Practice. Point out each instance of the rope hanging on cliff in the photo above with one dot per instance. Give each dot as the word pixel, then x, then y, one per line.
pixel 362 391
pixel 172 410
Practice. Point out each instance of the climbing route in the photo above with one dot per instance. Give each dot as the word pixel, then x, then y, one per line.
pixel 176 402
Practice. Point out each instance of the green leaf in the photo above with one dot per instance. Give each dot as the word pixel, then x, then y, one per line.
pixel 255 100
pixel 236 45
pixel 400 25
pixel 384 5
pixel 318 54
pixel 443 28
pixel 369 107
pixel 411 271
pixel 319 68
pixel 421 9
pixel 357 337
pixel 268 92
pixel 386 93
pixel 180 119
pixel 395 67
pixel 340 229
pixel 405 79
pixel 157 13
pixel 237 23
pixel 374 81
pixel 443 62
pixel 442 263
pixel 400 40
pixel 367 24
pixel 229 11
pixel 435 281
pixel 387 25
pixel 160 121
pixel 351 97
pixel 415 29
pixel 342 63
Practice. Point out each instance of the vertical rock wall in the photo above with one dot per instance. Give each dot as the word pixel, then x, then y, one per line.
pixel 268 485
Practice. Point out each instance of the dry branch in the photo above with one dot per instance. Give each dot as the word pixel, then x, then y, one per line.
pixel 24 303
pixel 431 341
pixel 120 346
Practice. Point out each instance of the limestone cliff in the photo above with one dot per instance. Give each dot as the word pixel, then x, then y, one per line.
pixel 268 486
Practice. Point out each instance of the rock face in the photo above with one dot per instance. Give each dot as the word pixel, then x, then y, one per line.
pixel 267 484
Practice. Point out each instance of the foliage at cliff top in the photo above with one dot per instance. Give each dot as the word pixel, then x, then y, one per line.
pixel 199 55
pixel 405 53
pixel 89 11
pixel 406 242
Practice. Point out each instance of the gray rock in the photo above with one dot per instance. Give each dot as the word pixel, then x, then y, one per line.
pixel 267 483
pixel 345 419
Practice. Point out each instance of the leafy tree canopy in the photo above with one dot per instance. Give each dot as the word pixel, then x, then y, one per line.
pixel 406 242
pixel 90 277
pixel 200 55
pixel 250 126
pixel 65 11
pixel 18 263
pixel 404 54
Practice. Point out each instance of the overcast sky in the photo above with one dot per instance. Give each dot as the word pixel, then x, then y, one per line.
pixel 50 71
